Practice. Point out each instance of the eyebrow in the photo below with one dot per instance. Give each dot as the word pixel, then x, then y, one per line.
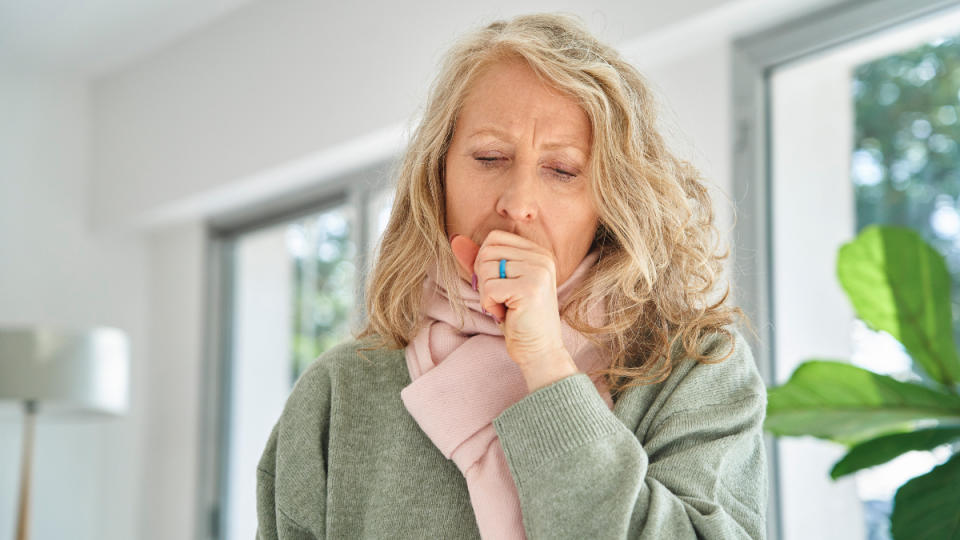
pixel 506 136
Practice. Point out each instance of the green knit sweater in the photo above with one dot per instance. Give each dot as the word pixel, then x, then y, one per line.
pixel 683 458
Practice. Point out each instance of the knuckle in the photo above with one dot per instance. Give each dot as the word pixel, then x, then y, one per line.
pixel 484 287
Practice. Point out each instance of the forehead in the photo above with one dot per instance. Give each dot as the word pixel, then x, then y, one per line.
pixel 508 98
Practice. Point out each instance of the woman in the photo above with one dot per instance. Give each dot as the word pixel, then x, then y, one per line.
pixel 542 356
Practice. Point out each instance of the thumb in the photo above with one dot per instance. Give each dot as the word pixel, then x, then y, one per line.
pixel 465 250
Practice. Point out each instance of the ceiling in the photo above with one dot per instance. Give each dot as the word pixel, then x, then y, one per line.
pixel 92 37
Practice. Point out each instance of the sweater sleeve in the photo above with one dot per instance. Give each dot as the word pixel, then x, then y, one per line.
pixel 292 471
pixel 699 472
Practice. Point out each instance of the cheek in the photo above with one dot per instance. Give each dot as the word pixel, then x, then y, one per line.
pixel 463 197
pixel 574 215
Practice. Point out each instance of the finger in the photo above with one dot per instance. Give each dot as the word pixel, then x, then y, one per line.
pixel 496 297
pixel 490 305
pixel 520 263
pixel 487 262
pixel 504 238
pixel 493 307
pixel 486 272
pixel 489 271
pixel 497 291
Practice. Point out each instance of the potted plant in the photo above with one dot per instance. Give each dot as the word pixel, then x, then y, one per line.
pixel 899 284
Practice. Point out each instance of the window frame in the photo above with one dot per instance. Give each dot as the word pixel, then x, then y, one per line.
pixel 754 57
pixel 356 189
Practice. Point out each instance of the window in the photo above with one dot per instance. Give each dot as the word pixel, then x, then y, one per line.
pixel 291 288
pixel 324 282
pixel 851 135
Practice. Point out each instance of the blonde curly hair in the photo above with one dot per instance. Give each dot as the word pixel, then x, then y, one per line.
pixel 658 266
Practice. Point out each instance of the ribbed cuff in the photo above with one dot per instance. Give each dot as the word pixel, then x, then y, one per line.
pixel 553 420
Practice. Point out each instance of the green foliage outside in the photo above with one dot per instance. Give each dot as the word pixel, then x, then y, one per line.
pixel 906 160
pixel 324 280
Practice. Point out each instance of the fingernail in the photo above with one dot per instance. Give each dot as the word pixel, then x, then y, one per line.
pixel 473 283
pixel 452 236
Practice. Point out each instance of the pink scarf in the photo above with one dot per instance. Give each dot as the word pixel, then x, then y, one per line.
pixel 463 379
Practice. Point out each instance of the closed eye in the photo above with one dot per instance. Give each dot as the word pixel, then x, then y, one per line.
pixel 564 176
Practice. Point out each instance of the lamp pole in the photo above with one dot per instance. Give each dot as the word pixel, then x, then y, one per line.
pixel 23 516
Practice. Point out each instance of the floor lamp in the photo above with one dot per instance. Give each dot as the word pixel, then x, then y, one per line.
pixel 59 371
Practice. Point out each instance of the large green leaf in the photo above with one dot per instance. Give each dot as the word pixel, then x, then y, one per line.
pixel 898 283
pixel 848 404
pixel 928 506
pixel 884 448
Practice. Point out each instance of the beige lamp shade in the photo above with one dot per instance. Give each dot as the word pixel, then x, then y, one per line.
pixel 66 372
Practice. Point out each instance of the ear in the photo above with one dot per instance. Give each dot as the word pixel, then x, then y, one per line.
pixel 465 250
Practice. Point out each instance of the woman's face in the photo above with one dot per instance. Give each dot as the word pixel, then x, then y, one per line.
pixel 518 162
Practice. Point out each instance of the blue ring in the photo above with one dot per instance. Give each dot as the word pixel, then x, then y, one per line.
pixel 503 268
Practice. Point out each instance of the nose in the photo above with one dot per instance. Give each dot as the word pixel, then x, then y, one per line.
pixel 520 199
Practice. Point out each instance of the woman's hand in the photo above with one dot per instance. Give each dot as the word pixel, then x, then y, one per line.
pixel 525 302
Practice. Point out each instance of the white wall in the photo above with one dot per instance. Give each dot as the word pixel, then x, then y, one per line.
pixel 53 270
pixel 172 416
